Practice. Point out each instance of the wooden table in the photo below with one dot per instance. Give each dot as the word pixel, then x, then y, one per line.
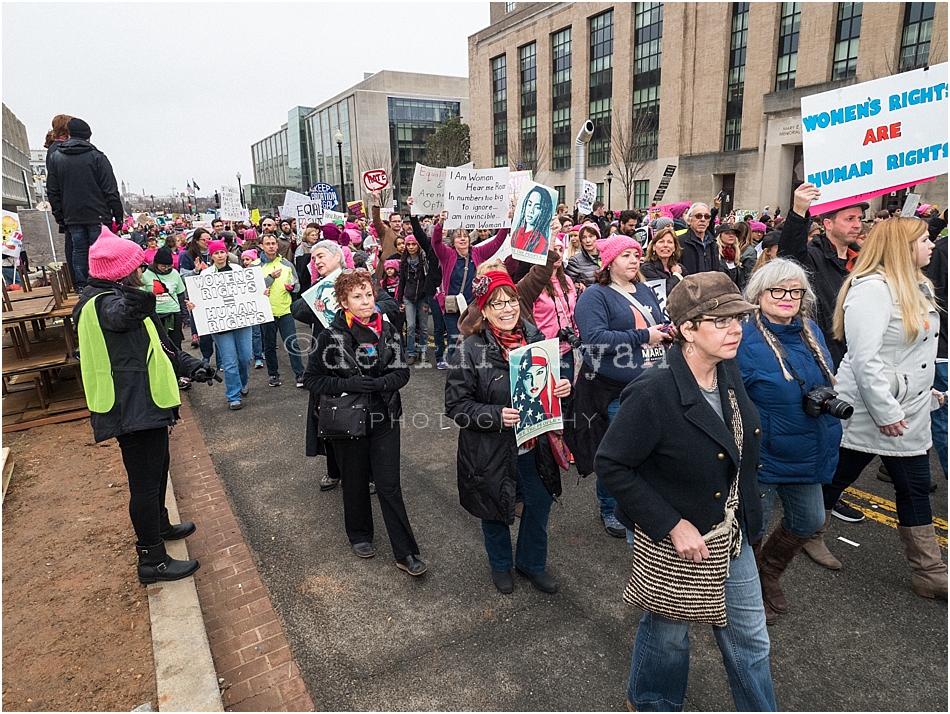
pixel 15 319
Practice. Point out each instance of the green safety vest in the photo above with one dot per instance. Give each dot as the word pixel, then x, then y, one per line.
pixel 96 366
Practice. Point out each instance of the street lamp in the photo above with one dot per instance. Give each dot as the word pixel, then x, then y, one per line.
pixel 153 202
pixel 240 190
pixel 609 177
pixel 339 148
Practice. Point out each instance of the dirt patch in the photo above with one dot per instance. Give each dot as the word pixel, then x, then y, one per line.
pixel 76 631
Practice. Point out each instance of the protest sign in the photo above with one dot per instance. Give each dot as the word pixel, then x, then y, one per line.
pixel 375 180
pixel 428 189
pixel 476 198
pixel 228 300
pixel 309 212
pixel 334 217
pixel 325 194
pixel 12 236
pixel 515 180
pixel 321 298
pixel 659 289
pixel 588 196
pixel 292 198
pixel 256 216
pixel 230 204
pixel 531 227
pixel 866 139
pixel 664 183
pixel 357 208
pixel 534 371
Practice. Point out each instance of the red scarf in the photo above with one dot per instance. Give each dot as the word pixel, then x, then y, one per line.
pixel 729 253
pixel 508 341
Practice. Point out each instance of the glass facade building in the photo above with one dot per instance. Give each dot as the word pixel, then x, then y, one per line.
pixel 411 123
pixel 322 126
pixel 271 160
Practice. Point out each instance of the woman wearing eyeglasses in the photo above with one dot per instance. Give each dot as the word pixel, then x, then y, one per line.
pixel 783 358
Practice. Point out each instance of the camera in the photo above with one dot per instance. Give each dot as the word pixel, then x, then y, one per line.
pixel 567 334
pixel 824 400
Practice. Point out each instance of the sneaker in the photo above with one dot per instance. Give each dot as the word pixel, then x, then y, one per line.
pixel 184 383
pixel 411 360
pixel 234 406
pixel 244 391
pixel 258 364
pixel 614 527
pixel 327 483
pixel 194 341
pixel 299 381
pixel 274 381
pixel 846 512
pixel 442 365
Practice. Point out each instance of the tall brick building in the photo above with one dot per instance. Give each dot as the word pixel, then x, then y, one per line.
pixel 713 88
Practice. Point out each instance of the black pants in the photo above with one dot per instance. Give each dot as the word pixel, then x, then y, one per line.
pixel 910 475
pixel 374 458
pixel 173 326
pixel 145 455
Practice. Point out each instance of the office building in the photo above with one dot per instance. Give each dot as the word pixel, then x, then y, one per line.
pixel 17 172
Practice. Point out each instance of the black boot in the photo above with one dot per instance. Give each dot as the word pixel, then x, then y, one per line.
pixel 170 532
pixel 155 565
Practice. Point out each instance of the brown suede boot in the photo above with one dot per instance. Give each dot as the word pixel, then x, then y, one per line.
pixel 777 553
pixel 928 571
pixel 816 549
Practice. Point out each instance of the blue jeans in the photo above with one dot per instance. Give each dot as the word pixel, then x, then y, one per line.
pixel 257 346
pixel 415 315
pixel 83 238
pixel 660 666
pixel 532 532
pixel 438 329
pixel 803 505
pixel 12 275
pixel 607 502
pixel 288 334
pixel 938 418
pixel 451 322
pixel 234 354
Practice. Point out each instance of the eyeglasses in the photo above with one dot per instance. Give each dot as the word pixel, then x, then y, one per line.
pixel 722 323
pixel 500 305
pixel 702 216
pixel 794 293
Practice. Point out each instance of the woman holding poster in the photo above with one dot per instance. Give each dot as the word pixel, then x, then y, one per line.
pixel 533 225
pixel 533 393
pixel 490 464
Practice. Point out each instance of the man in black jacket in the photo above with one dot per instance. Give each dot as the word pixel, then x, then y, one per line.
pixel 828 258
pixel 700 249
pixel 83 193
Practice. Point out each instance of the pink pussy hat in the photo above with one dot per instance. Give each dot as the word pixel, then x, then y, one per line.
pixel 114 258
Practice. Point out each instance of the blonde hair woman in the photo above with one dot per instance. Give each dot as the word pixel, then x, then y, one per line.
pixel 887 313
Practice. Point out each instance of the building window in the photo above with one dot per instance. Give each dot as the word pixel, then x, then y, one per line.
pixel 847 37
pixel 561 194
pixel 561 99
pixel 411 123
pixel 737 48
pixel 499 74
pixel 600 192
pixel 601 86
pixel 528 58
pixel 509 7
pixel 788 46
pixel 647 62
pixel 641 194
pixel 915 40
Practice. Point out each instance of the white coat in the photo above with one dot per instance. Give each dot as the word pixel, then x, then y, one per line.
pixel 884 377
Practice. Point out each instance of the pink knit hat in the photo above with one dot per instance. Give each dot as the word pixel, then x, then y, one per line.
pixel 347 257
pixel 611 247
pixel 113 258
pixel 252 254
pixel 215 245
pixel 758 226
pixel 394 264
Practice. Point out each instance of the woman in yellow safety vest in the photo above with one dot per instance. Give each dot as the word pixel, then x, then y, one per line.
pixel 130 373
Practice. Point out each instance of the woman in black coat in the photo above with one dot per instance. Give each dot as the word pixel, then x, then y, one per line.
pixel 360 353
pixel 130 371
pixel 674 480
pixel 490 463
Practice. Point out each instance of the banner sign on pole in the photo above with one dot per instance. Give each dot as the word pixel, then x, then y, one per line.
pixel 230 204
pixel 534 371
pixel 589 195
pixel 664 183
pixel 476 198
pixel 864 140
pixel 228 300
pixel 531 226
pixel 325 194
pixel 375 180
pixel 357 208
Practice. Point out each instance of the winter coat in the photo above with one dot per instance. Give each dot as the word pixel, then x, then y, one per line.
pixel 683 459
pixel 654 270
pixel 81 186
pixel 449 256
pixel 121 313
pixel 477 388
pixel 699 256
pixel 882 376
pixel 796 448
pixel 581 268
pixel 551 314
pixel 937 272
pixel 433 281
pixel 412 278
pixel 328 370
pixel 826 270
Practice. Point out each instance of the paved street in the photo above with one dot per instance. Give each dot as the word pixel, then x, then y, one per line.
pixel 368 637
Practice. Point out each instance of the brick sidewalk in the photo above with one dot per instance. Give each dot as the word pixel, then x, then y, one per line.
pixel 248 645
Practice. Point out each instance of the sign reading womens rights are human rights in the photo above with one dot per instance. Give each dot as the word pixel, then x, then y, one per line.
pixel 875 137
pixel 228 300
pixel 476 198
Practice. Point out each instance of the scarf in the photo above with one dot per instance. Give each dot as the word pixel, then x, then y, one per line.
pixel 729 253
pixel 508 341
pixel 374 325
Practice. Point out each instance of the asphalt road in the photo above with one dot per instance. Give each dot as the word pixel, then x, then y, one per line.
pixel 368 637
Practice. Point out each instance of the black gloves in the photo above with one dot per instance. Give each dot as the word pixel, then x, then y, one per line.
pixel 205 373
pixel 361 385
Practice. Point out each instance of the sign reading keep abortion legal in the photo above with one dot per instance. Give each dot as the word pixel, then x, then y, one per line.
pixel 875 137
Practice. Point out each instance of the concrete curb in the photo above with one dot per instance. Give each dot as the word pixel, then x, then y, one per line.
pixel 184 672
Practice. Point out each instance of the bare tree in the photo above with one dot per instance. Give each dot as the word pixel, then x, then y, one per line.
pixel 632 148
pixel 538 163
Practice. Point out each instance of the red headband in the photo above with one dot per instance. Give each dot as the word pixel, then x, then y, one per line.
pixel 485 285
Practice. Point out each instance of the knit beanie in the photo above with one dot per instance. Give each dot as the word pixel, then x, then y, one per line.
pixel 484 285
pixel 330 232
pixel 394 264
pixel 758 226
pixel 80 130
pixel 163 256
pixel 252 254
pixel 215 245
pixel 347 257
pixel 658 224
pixel 611 247
pixel 113 258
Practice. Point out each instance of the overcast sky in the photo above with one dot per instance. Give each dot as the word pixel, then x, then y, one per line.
pixel 180 91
